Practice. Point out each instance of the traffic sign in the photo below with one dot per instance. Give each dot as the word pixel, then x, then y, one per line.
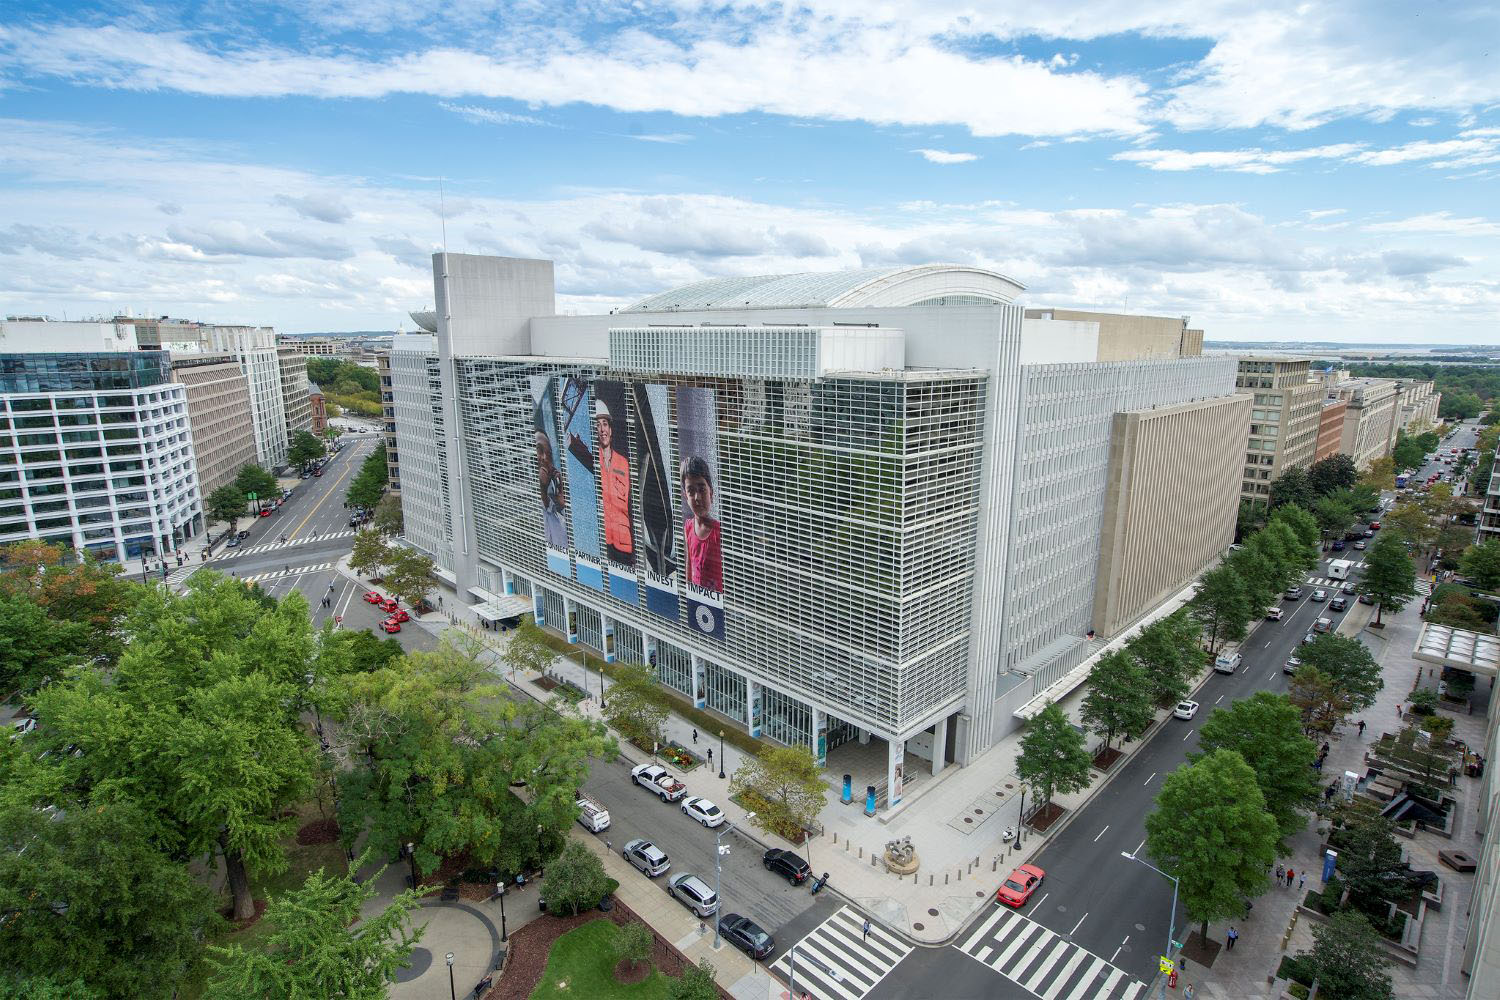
pixel 1167 965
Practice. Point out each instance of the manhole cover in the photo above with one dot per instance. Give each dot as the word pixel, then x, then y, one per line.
pixel 978 812
pixel 1061 908
pixel 1140 927
pixel 1009 785
pixel 932 913
pixel 968 819
pixel 980 893
pixel 918 927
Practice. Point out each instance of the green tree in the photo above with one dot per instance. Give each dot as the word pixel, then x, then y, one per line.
pixel 1334 517
pixel 1457 609
pixel 253 479
pixel 227 503
pixel 321 944
pixel 89 897
pixel 353 651
pixel 1053 756
pixel 1389 579
pixel 1370 862
pixel 1459 406
pixel 1291 487
pixel 1348 959
pixel 575 880
pixel 696 983
pixel 1211 831
pixel 369 553
pixel 87 593
pixel 1260 575
pixel 304 448
pixel 1332 475
pixel 19 986
pixel 388 519
pixel 1481 564
pixel 1381 474
pixel 34 649
pixel 1168 653
pixel 1319 702
pixel 784 788
pixel 1346 662
pixel 636 705
pixel 1119 697
pixel 408 572
pixel 1283 551
pixel 370 481
pixel 1303 526
pixel 198 724
pixel 1266 731
pixel 1222 606
pixel 632 944
pixel 527 650
pixel 1250 519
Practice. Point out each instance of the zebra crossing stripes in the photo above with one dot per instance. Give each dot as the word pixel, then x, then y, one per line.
pixel 251 550
pixel 835 961
pixel 1044 963
pixel 282 573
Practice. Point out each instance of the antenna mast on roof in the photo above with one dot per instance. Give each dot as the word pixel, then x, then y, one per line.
pixel 443 214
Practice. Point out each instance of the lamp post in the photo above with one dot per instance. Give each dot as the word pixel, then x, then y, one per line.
pixel 1172 922
pixel 721 754
pixel 500 891
pixel 452 990
pixel 791 968
pixel 411 856
pixel 1020 820
pixel 719 851
pixel 541 869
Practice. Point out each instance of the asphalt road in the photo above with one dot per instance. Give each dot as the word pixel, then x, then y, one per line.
pixel 1465 436
pixel 1118 909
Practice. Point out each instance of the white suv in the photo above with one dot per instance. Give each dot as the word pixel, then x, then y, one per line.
pixel 1227 662
pixel 694 893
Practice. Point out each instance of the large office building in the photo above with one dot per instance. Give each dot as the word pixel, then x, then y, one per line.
pixel 254 347
pixel 313 347
pixel 218 399
pixel 881 505
pixel 1283 424
pixel 95 448
pixel 1372 418
pixel 1417 405
pixel 296 391
pixel 388 422
pixel 1330 428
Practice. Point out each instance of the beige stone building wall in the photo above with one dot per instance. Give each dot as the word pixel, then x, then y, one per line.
pixel 1330 429
pixel 1284 420
pixel 218 401
pixel 294 390
pixel 1371 421
pixel 1171 502
pixel 1134 338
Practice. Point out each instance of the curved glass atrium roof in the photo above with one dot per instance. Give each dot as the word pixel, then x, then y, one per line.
pixel 929 284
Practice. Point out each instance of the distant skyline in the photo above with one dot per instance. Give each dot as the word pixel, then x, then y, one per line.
pixel 1276 171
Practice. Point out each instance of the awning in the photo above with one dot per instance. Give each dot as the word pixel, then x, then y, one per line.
pixel 499 609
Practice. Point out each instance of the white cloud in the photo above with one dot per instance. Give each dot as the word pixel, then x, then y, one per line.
pixel 670 138
pixel 1250 161
pixel 489 116
pixel 1323 213
pixel 1444 223
pixel 943 156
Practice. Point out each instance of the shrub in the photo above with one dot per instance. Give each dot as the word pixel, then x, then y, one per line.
pixel 575 881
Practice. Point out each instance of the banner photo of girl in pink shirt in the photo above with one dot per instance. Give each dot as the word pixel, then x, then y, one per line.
pixel 702 532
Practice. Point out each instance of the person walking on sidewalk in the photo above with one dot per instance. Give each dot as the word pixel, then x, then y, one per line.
pixel 1280 872
pixel 1230 939
pixel 1290 874
pixel 1302 881
pixel 1361 728
pixel 710 756
pixel 866 936
pixel 695 737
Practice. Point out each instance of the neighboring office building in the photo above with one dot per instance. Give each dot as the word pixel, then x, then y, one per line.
pixel 313 347
pixel 255 349
pixel 1330 428
pixel 295 391
pixel 100 430
pixel 1371 420
pixel 218 397
pixel 1284 421
pixel 162 333
pixel 1489 514
pixel 907 487
pixel 388 423
pixel 415 420
pixel 1417 405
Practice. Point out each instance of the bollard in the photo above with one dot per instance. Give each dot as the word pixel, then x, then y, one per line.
pixel 835 836
pixel 995 865
pixel 975 864
pixel 872 860
pixel 846 847
pixel 861 852
pixel 960 876
pixel 929 880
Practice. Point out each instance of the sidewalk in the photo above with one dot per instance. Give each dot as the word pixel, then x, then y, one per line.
pixel 955 819
pixel 1243 974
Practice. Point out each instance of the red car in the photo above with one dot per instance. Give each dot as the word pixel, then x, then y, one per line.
pixel 389 604
pixel 391 625
pixel 374 597
pixel 1374 525
pixel 398 616
pixel 266 512
pixel 1018 888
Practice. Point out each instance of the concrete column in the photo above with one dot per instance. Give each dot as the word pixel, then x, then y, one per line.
pixel 607 627
pixel 864 737
pixel 538 609
pixel 820 736
pixel 752 707
pixel 895 771
pixel 507 580
pixel 570 612
pixel 700 687
pixel 940 745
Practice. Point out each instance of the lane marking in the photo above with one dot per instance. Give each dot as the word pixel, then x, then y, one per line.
pixel 1117 953
pixel 1137 851
pixel 1078 925
pixel 328 493
pixel 1101 833
pixel 1039 902
pixel 1218 699
pixel 1148 780
pixel 1186 735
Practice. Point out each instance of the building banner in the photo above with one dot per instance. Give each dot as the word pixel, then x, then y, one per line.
pixel 549 475
pixel 700 683
pixel 613 465
pixel 653 455
pixel 755 696
pixel 698 478
pixel 583 486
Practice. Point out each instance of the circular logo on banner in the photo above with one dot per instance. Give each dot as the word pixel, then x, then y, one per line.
pixel 705 618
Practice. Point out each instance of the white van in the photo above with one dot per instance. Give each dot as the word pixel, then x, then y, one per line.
pixel 593 816
pixel 1227 662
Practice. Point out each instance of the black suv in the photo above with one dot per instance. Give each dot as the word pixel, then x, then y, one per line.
pixel 788 865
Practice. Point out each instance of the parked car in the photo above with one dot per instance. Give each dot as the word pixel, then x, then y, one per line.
pixel 694 893
pixel 1226 663
pixel 305 475
pixel 266 512
pixel 1320 595
pixel 788 865
pixel 1360 544
pixel 1374 525
pixel 1309 637
pixel 646 857
pixel 1323 626
pixel 1274 613
pixel 746 935
pixel 593 816
pixel 1366 599
pixel 374 597
pixel 1293 594
pixel 1369 533
pixel 1291 665
pixel 242 534
pixel 233 543
pixel 1185 709
pixel 399 615
pixel 1338 545
pixel 703 811
pixel 389 604
pixel 1349 588
pixel 1019 886
pixel 391 626
pixel 22 726
pixel 1338 604
pixel 655 778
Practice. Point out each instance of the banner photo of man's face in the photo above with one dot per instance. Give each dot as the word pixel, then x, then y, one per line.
pixel 550 490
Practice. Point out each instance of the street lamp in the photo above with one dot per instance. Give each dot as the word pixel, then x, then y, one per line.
pixel 541 869
pixel 411 855
pixel 1172 922
pixel 452 990
pixel 500 891
pixel 721 754
pixel 1020 820
pixel 719 851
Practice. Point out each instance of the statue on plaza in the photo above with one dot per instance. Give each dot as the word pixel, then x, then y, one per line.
pixel 901 857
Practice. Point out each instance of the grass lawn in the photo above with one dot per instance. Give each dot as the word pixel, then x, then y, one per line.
pixel 581 967
pixel 301 862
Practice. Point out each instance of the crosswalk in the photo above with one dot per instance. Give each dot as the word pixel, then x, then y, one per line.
pixel 280 574
pixel 249 550
pixel 836 961
pixel 1044 963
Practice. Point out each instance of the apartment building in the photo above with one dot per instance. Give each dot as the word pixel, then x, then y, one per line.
pixel 875 505
pixel 295 391
pixel 95 448
pixel 1330 428
pixel 1284 421
pixel 218 397
pixel 388 422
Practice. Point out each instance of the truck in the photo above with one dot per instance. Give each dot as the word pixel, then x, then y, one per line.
pixel 1339 568
pixel 593 816
pixel 655 778
pixel 1401 480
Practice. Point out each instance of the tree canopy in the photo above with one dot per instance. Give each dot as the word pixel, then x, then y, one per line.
pixel 304 448
pixel 253 479
pixel 1053 756
pixel 370 481
pixel 227 503
pixel 1389 579
pixel 1222 606
pixel 1349 665
pixel 1481 564
pixel 783 786
pixel 1266 731
pixel 1118 701
pixel 1348 959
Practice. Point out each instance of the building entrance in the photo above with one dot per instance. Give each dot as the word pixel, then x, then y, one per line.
pixel 840 732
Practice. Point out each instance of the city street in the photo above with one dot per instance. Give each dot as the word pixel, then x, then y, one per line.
pixel 1097 911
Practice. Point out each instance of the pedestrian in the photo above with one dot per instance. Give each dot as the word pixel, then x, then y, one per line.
pixel 866 936
pixel 1302 881
pixel 1187 994
pixel 1290 874
pixel 695 737
pixel 1231 938
pixel 710 756
pixel 1398 710
pixel 1280 872
pixel 1325 749
pixel 1328 794
pixel 1361 727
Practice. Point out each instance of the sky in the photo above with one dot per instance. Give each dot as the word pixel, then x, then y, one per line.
pixel 1275 171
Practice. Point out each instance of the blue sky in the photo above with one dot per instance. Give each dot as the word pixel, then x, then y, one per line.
pixel 1276 171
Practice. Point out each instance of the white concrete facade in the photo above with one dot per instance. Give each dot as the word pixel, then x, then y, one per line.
pixel 255 349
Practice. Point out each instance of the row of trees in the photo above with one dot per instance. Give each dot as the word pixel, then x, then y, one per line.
pixel 228 502
pixel 368 485
pixel 348 385
pixel 403 571
pixel 174 739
